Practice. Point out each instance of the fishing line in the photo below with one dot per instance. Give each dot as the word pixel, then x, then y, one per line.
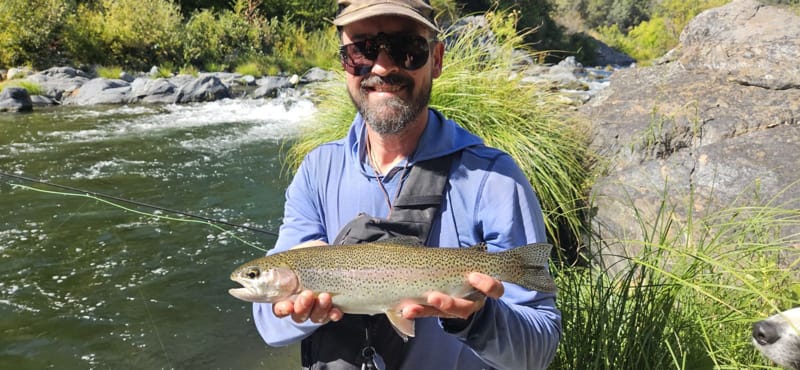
pixel 101 197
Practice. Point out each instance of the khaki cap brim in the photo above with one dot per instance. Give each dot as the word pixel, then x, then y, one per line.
pixel 374 10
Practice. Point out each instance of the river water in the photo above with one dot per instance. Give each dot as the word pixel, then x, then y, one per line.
pixel 85 284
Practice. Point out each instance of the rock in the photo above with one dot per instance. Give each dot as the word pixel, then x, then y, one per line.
pixel 153 72
pixel 247 80
pixel 605 55
pixel 753 44
pixel 316 74
pixel 203 89
pixel 565 75
pixel 15 99
pixel 100 91
pixel 147 90
pixel 702 130
pixel 227 78
pixel 59 81
pixel 125 76
pixel 270 85
pixel 18 72
pixel 42 101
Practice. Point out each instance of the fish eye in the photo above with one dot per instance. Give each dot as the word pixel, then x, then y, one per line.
pixel 253 273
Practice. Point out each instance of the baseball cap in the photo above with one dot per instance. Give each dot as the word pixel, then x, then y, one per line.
pixel 355 10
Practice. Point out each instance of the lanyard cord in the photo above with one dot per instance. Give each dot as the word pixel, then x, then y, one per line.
pixel 374 164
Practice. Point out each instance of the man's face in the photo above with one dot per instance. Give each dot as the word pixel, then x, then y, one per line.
pixel 390 97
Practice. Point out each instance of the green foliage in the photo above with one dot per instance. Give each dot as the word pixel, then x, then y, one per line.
pixel 29 31
pixel 130 33
pixel 189 70
pixel 647 41
pixel 311 14
pixel 165 70
pixel 224 38
pixel 294 49
pixel 476 90
pixel 622 13
pixel 249 68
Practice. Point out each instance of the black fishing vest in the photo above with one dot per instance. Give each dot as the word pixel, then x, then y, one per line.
pixel 351 342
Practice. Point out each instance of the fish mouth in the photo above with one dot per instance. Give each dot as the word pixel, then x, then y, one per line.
pixel 246 292
pixel 248 295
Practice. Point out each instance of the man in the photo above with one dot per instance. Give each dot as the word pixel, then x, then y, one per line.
pixel 391 56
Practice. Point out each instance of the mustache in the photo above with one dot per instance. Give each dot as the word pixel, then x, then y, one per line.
pixel 392 79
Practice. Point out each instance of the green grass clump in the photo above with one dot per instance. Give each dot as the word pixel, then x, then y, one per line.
pixel 32 87
pixel 249 68
pixel 189 70
pixel 687 300
pixel 480 89
pixel 109 72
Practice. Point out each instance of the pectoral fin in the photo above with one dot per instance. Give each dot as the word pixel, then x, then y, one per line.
pixel 404 327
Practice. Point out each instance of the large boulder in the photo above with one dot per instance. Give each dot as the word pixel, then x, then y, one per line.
pixel 716 125
pixel 202 89
pixel 58 82
pixel 15 99
pixel 100 91
pixel 148 90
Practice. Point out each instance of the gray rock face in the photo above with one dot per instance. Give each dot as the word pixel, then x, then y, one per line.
pixel 717 126
pixel 100 91
pixel 270 85
pixel 751 43
pixel 58 81
pixel 147 90
pixel 203 89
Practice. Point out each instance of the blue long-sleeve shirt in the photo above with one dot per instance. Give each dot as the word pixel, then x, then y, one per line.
pixel 487 199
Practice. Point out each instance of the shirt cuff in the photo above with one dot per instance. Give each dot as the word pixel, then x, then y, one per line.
pixel 461 327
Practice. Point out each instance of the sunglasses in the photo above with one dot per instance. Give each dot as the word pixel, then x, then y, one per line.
pixel 408 51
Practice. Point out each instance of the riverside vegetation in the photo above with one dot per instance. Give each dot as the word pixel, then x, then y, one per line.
pixel 685 302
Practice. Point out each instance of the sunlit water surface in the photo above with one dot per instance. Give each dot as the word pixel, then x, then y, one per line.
pixel 85 284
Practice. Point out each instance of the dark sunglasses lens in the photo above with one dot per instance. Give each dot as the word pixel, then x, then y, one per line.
pixel 409 52
pixel 357 59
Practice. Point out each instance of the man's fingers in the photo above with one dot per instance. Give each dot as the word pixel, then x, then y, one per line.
pixel 322 308
pixel 283 308
pixel 486 284
pixel 303 305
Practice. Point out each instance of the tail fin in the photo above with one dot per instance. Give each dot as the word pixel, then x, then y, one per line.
pixel 534 263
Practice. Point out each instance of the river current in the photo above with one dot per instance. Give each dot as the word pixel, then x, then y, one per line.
pixel 86 284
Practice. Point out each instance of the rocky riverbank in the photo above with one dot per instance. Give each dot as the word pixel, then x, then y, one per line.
pixel 71 86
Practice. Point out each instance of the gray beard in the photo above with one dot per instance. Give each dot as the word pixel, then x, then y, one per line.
pixel 392 116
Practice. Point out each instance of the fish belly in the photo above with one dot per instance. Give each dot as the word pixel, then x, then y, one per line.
pixel 377 290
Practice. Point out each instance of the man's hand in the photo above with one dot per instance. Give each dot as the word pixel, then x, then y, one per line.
pixel 307 305
pixel 445 306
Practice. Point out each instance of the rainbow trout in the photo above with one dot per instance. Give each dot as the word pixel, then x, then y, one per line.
pixel 374 278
